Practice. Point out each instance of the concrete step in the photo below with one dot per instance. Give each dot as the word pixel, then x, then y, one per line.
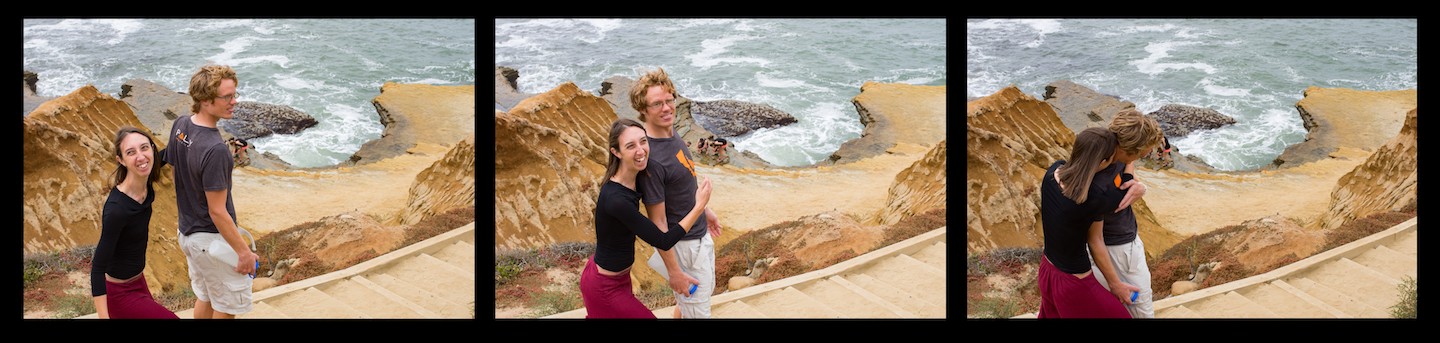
pixel 437 277
pixel 847 301
pixel 1358 282
pixel 1329 311
pixel 1351 307
pixel 910 275
pixel 1387 261
pixel 314 303
pixel 792 303
pixel 1282 302
pixel 735 309
pixel 922 307
pixel 367 301
pixel 259 309
pixel 435 303
pixel 396 298
pixel 461 255
pixel 1406 243
pixel 1178 312
pixel 1230 305
pixel 934 255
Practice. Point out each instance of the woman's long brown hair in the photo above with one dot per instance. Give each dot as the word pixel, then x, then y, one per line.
pixel 1093 147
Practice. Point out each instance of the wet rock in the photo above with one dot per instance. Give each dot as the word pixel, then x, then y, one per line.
pixel 730 118
pixel 1180 120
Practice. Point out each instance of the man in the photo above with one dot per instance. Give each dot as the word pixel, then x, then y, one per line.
pixel 1124 253
pixel 668 188
pixel 202 164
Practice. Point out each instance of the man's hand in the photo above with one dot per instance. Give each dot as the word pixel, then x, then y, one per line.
pixel 680 282
pixel 1122 290
pixel 1134 190
pixel 247 262
pixel 712 223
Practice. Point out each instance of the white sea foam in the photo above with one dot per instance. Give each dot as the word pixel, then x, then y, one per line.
pixel 1150 64
pixel 1212 88
pixel 292 82
pixel 240 45
pixel 712 48
pixel 818 132
pixel 1149 28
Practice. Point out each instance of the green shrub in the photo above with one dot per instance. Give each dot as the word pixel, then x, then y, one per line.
pixel 1406 308
pixel 74 305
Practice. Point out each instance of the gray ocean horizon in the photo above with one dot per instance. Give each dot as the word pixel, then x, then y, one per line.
pixel 329 68
pixel 1254 70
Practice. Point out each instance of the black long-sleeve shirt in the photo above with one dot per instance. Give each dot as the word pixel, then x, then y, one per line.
pixel 124 235
pixel 618 222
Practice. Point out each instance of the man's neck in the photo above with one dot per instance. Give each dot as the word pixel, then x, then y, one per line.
pixel 655 131
pixel 205 120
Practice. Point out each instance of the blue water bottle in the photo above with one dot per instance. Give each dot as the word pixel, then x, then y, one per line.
pixel 1133 295
pixel 693 288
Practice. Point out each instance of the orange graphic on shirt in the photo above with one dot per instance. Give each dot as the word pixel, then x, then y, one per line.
pixel 680 156
pixel 1117 180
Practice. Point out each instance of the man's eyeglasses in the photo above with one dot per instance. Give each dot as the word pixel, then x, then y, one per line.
pixel 227 98
pixel 670 102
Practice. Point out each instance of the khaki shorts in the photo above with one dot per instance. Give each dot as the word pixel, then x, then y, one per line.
pixel 214 281
pixel 696 258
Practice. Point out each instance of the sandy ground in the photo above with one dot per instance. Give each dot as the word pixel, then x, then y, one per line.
pixel 751 199
pixel 268 201
pixel 1190 204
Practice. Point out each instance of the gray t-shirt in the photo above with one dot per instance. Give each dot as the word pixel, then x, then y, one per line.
pixel 202 163
pixel 1120 227
pixel 669 177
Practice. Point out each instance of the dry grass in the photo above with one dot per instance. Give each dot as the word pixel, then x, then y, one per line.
pixel 1179 262
pixel 438 224
pixel 1019 263
pixel 913 226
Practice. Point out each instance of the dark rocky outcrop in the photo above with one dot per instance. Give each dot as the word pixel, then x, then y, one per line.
pixel 255 120
pixel 1080 107
pixel 1180 120
pixel 616 91
pixel 730 118
pixel 507 90
pixel 29 95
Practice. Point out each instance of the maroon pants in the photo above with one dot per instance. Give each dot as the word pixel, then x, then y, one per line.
pixel 1062 295
pixel 609 296
pixel 132 300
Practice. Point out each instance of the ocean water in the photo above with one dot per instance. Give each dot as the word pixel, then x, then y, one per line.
pixel 810 68
pixel 328 68
pixel 1254 70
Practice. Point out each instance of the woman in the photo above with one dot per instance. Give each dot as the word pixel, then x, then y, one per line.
pixel 116 279
pixel 1071 205
pixel 605 283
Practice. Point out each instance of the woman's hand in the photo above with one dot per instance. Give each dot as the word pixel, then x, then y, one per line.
pixel 1134 190
pixel 702 193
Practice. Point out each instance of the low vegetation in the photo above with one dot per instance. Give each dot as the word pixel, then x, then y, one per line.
pixel 1406 307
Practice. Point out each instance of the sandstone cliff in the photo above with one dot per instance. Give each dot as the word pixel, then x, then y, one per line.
pixel 405 111
pixel 1385 182
pixel 447 184
pixel 576 113
pixel 894 113
pixel 68 159
pixel 546 179
pixel 917 189
pixel 1011 139
pixel 1339 117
